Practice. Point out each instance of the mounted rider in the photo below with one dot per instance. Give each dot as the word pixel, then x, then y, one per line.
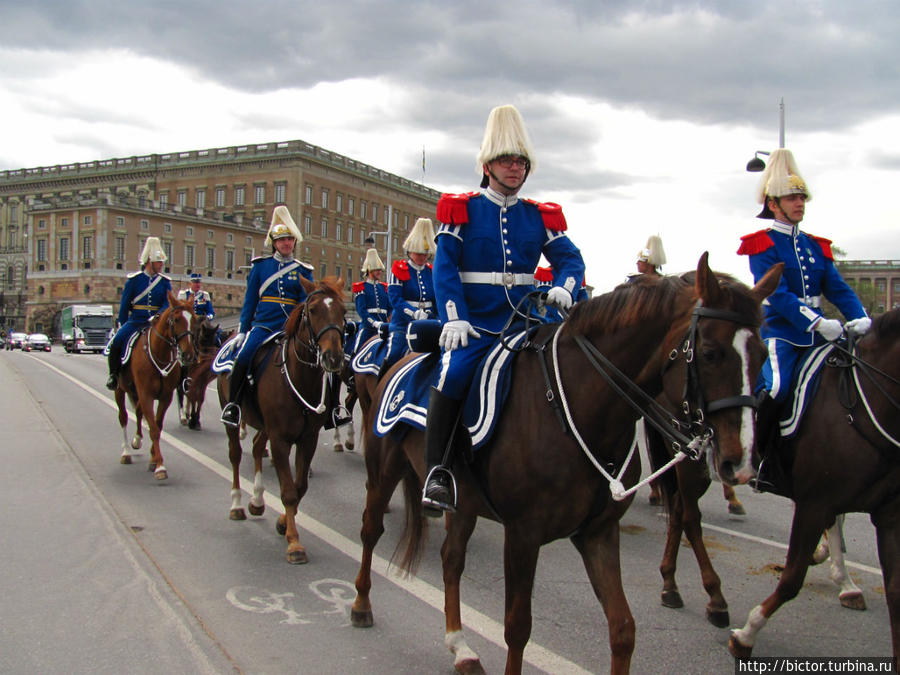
pixel 488 247
pixel 144 297
pixel 203 307
pixel 410 289
pixel 371 299
pixel 273 291
pixel 794 321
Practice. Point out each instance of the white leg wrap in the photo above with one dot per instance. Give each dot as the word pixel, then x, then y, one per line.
pixel 456 643
pixel 235 498
pixel 839 573
pixel 258 489
pixel 755 622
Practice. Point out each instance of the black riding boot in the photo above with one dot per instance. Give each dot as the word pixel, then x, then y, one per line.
pixel 439 494
pixel 231 413
pixel 771 474
pixel 335 416
pixel 114 360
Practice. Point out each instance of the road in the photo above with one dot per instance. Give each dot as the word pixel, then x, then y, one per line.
pixel 107 570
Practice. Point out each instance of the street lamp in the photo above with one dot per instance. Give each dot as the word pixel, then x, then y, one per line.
pixel 387 232
pixel 756 165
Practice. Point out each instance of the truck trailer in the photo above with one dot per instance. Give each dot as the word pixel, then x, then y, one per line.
pixel 86 328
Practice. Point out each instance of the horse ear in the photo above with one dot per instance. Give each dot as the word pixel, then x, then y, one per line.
pixel 173 299
pixel 308 286
pixel 707 282
pixel 767 285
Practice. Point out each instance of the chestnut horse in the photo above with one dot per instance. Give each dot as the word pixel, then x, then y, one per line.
pixel 288 403
pixel 695 342
pixel 153 373
pixel 192 392
pixel 845 457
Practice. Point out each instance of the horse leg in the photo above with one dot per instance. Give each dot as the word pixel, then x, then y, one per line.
pixel 655 498
pixel 338 447
pixel 886 531
pixel 155 426
pixel 823 550
pixel 806 527
pixel 599 549
pixel 257 501
pixel 234 456
pixel 138 439
pixel 453 557
pixel 735 507
pixel 182 410
pixel 291 492
pixel 520 556
pixel 850 595
pixel 675 527
pixel 349 402
pixel 125 457
pixel 716 608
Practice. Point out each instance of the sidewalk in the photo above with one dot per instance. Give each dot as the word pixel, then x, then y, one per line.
pixel 78 593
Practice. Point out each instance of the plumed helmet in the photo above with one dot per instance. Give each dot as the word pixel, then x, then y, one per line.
pixel 152 251
pixel 421 238
pixel 505 134
pixel 282 226
pixel 372 261
pixel 653 253
pixel 781 178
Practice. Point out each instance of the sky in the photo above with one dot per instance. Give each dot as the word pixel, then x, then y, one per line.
pixel 643 115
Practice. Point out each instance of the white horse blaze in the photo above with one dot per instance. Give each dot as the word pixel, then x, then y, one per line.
pixel 741 339
pixel 328 302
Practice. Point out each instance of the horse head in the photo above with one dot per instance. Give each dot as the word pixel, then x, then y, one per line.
pixel 178 325
pixel 723 354
pixel 322 317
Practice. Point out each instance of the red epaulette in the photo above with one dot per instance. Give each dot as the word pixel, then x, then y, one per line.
pixel 359 286
pixel 383 284
pixel 751 244
pixel 454 209
pixel 552 215
pixel 400 270
pixel 544 274
pixel 826 246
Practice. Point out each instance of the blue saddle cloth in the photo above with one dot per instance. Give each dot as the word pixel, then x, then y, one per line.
pixel 224 361
pixel 129 346
pixel 405 397
pixel 806 383
pixel 370 357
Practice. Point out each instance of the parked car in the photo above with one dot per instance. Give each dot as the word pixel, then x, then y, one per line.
pixel 16 340
pixel 37 342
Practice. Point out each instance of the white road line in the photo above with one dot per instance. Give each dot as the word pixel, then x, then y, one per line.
pixel 480 623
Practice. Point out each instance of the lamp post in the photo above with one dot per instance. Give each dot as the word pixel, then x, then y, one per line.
pixel 389 239
pixel 756 165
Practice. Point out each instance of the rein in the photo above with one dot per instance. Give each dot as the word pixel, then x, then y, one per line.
pixel 174 349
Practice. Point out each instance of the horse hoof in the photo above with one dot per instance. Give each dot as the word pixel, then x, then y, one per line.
pixel 672 599
pixel 338 447
pixel 258 510
pixel 297 557
pixel 737 509
pixel 361 619
pixel 237 514
pixel 718 617
pixel 136 443
pixel 654 500
pixel 161 473
pixel 280 528
pixel 349 446
pixel 125 459
pixel 183 421
pixel 469 667
pixel 738 650
pixel 853 601
pixel 151 466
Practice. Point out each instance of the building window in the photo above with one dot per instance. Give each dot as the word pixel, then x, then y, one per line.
pixel 200 198
pixel 65 222
pixel 374 213
pixel 307 194
pixel 220 197
pixel 88 220
pixel 164 200
pixel 189 231
pixel 239 196
pixel 363 208
pixel 42 250
pixel 362 236
pixel 338 231
pixel 351 205
pixel 13 214
pixel 167 227
pixel 248 258
pixel 229 260
pixel 120 221
pixel 259 194
pixel 145 224
pixel 340 203
pixel 337 271
pixel 181 198
pixel 323 269
pixel 324 228
pixel 406 222
pixel 119 254
pixel 307 224
pixel 210 258
pixel 10 277
pixel 350 234
pixel 63 248
pixel 42 224
pixel 210 234
pixel 324 198
pixel 188 255
pixel 167 249
pixel 87 246
pixel 280 189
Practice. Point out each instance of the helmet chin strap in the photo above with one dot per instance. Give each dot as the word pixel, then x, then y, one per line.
pixel 510 189
pixel 784 214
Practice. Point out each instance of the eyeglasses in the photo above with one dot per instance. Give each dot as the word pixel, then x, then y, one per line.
pixel 509 161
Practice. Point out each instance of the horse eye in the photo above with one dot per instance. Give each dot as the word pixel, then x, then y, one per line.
pixel 710 354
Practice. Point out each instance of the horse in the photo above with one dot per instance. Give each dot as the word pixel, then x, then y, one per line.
pixel 844 459
pixel 695 342
pixel 193 387
pixel 349 379
pixel 288 403
pixel 153 373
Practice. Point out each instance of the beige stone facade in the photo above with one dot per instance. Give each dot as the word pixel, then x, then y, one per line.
pixel 71 233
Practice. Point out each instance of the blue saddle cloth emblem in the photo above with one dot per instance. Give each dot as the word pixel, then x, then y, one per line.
pixel 806 383
pixel 405 397
pixel 370 357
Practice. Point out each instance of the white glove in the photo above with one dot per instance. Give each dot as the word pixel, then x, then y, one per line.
pixel 420 314
pixel 859 326
pixel 830 329
pixel 456 334
pixel 239 341
pixel 559 297
pixel 376 325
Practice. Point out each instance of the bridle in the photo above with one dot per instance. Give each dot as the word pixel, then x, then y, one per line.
pixel 176 354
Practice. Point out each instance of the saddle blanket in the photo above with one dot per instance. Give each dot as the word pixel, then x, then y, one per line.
pixel 370 357
pixel 129 346
pixel 405 397
pixel 224 361
pixel 806 383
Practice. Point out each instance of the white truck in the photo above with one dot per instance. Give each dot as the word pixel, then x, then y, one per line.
pixel 86 328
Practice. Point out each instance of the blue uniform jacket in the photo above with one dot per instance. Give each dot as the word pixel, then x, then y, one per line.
pixel 273 291
pixel 809 273
pixel 138 306
pixel 489 233
pixel 202 302
pixel 372 305
pixel 410 289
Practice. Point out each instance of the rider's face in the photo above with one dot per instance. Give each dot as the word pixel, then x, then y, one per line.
pixel 285 245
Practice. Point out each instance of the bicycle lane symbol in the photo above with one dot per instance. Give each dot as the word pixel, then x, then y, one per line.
pixel 335 592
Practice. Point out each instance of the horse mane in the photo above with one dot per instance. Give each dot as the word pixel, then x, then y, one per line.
pixel 331 286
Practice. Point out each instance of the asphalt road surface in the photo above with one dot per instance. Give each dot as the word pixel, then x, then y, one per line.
pixel 106 570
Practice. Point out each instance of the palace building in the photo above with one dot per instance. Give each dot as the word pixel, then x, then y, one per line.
pixel 71 233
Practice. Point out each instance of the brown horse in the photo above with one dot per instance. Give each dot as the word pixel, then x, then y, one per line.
pixel 153 373
pixel 288 403
pixel 845 459
pixel 695 342
pixel 192 392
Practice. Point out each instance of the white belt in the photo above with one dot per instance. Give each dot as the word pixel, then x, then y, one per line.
pixel 507 279
pixel 814 301
pixel 377 310
pixel 425 304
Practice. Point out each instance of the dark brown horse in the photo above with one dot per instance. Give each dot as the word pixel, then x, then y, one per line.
pixel 289 402
pixel 845 458
pixel 692 341
pixel 153 373
pixel 192 392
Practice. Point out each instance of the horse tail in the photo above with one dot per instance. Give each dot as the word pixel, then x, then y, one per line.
pixel 413 537
pixel 659 455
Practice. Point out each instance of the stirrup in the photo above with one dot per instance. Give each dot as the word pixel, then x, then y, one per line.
pixel 231 415
pixel 442 497
pixel 339 419
pixel 112 383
